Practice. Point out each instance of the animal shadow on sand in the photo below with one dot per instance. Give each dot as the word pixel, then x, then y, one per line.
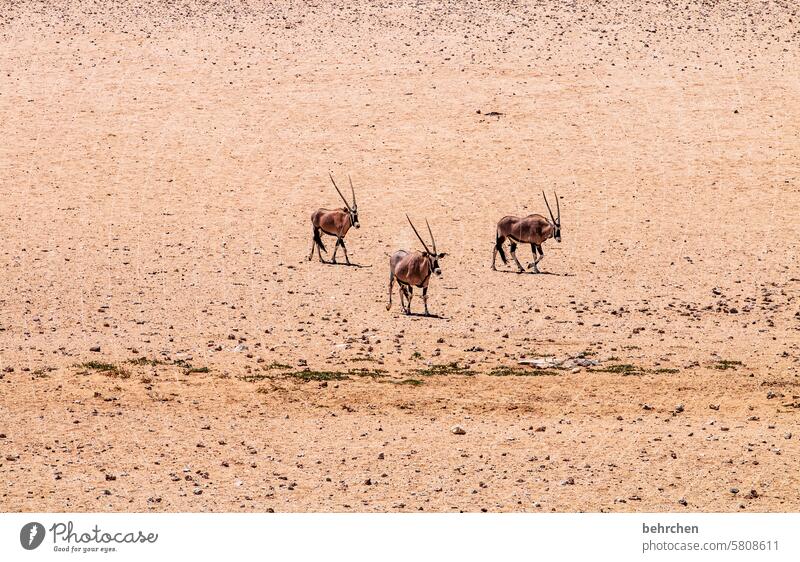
pixel 423 315
pixel 345 264
pixel 515 272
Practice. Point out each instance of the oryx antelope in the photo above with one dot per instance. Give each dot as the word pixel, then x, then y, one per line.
pixel 335 222
pixel 413 269
pixel 533 230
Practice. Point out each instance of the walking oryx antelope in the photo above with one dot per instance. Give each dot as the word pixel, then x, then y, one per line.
pixel 533 230
pixel 334 222
pixel 413 269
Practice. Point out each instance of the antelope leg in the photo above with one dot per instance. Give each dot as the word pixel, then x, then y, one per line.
pixel 335 249
pixel 319 254
pixel 408 296
pixel 514 255
pixel 346 257
pixel 391 286
pixel 313 245
pixel 534 248
pixel 540 258
pixel 425 300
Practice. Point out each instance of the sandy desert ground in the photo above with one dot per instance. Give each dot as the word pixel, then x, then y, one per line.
pixel 165 344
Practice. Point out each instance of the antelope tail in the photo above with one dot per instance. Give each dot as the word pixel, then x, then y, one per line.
pixel 498 244
pixel 391 286
pixel 318 240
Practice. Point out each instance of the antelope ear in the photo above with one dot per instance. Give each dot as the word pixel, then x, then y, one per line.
pixel 441 255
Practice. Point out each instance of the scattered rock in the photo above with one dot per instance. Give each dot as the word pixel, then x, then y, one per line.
pixel 458 430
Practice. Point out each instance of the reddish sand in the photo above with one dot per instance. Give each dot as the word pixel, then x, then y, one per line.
pixel 159 166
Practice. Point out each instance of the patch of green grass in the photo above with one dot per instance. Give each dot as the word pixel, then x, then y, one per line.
pixel 362 372
pixel 141 361
pixel 447 369
pixel 98 366
pixel 310 375
pixel 725 364
pixel 665 371
pixel 277 367
pixel 108 369
pixel 319 375
pixel 256 378
pixel 190 370
pixel 416 355
pixel 621 368
pixel 504 371
pixel 410 382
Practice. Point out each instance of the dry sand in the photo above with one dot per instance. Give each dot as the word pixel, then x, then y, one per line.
pixel 160 162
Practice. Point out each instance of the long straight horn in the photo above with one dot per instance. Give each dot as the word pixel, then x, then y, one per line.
pixel 558 207
pixel 548 206
pixel 346 204
pixel 353 191
pixel 433 241
pixel 424 245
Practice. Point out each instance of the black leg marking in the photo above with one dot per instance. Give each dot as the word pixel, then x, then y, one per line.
pixel 514 255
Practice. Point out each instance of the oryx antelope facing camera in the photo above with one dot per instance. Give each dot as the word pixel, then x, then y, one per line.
pixel 533 230
pixel 413 269
pixel 335 222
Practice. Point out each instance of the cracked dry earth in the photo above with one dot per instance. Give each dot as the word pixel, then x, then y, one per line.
pixel 165 344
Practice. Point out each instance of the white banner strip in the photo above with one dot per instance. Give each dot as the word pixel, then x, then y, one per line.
pixel 401 537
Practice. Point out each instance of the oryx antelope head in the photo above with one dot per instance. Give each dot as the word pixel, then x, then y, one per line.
pixel 555 221
pixel 432 256
pixel 352 210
